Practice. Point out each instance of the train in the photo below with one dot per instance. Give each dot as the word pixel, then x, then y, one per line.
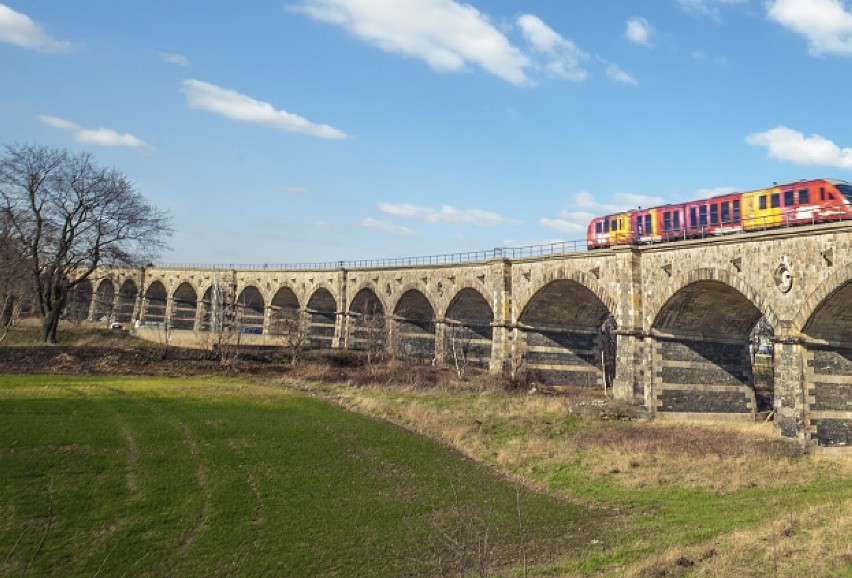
pixel 790 204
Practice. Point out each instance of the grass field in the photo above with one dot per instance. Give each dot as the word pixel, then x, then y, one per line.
pixel 216 477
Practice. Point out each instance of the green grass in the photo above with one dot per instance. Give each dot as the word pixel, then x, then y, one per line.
pixel 216 477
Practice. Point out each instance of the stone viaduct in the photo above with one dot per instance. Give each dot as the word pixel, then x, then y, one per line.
pixel 684 312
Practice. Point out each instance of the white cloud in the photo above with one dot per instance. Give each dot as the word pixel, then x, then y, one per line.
pixel 707 7
pixel 713 192
pixel 176 59
pixel 616 73
pixel 236 106
pixel 786 144
pixel 446 214
pixel 564 58
pixel 639 31
pixel 392 228
pixel 100 136
pixel 18 29
pixel 826 24
pixel 585 207
pixel 446 35
pixel 564 225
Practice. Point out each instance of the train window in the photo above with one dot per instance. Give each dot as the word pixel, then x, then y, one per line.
pixel 598 227
pixel 822 193
pixel 702 215
pixel 789 201
pixel 677 220
pixel 726 212
pixel 648 227
pixel 639 228
pixel 614 225
pixel 736 211
pixel 693 218
pixel 714 214
pixel 667 221
pixel 775 200
pixel 606 225
pixel 804 196
pixel 762 202
pixel 621 224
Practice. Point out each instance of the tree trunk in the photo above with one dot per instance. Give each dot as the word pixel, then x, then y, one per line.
pixel 49 325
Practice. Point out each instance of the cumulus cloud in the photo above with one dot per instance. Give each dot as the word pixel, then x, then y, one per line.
pixel 19 29
pixel 173 58
pixel 236 106
pixel 825 24
pixel 446 214
pixel 639 31
pixel 564 58
pixel 447 35
pixel 99 136
pixel 786 144
pixel 391 228
pixel 616 73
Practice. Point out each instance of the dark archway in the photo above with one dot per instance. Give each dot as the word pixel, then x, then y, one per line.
pixel 367 327
pixel 322 317
pixel 184 307
pixel 155 303
pixel 415 326
pixel 702 354
pixel 828 362
pixel 78 302
pixel 468 333
pixel 560 329
pixel 126 303
pixel 250 311
pixel 104 301
pixel 284 316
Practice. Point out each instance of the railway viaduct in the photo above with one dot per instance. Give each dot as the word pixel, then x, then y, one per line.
pixel 683 311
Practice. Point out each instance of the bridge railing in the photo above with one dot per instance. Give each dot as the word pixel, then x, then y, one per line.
pixel 559 248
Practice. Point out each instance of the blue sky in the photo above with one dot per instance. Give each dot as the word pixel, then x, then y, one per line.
pixel 325 130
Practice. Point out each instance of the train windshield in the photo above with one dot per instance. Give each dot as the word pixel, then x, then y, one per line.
pixel 846 190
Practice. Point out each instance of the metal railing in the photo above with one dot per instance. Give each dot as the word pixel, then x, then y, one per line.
pixel 521 252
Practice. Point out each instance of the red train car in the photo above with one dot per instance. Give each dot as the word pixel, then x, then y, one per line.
pixel 790 204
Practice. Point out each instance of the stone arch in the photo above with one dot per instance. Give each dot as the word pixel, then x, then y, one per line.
pixel 155 301
pixel 78 301
pixel 370 288
pixel 557 336
pixel 414 325
pixel 469 334
pixel 701 357
pixel 251 310
pixel 708 274
pixel 285 311
pixel 583 279
pixel 125 305
pixel 322 315
pixel 367 327
pixel 104 301
pixel 815 317
pixel 184 306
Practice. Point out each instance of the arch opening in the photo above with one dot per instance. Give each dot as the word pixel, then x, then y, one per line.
pixel 250 312
pixel 78 301
pixel 104 301
pixel 155 303
pixel 367 327
pixel 469 335
pixel 126 302
pixel 322 318
pixel 704 356
pixel 559 338
pixel 284 314
pixel 184 307
pixel 828 363
pixel 414 326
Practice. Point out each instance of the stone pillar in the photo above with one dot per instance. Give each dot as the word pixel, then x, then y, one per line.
pixel 632 372
pixel 500 281
pixel 789 402
pixel 441 342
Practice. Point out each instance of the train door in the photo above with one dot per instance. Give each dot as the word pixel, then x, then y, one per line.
pixel 762 209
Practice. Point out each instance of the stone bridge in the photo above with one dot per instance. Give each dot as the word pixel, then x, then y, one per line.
pixel 684 313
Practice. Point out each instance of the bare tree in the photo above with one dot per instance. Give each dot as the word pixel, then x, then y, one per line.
pixel 457 346
pixel 70 216
pixel 15 282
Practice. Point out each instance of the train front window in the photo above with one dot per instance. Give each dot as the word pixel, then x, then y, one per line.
pixel 599 227
pixel 846 191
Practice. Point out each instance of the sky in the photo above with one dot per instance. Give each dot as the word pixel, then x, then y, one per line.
pixel 303 131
